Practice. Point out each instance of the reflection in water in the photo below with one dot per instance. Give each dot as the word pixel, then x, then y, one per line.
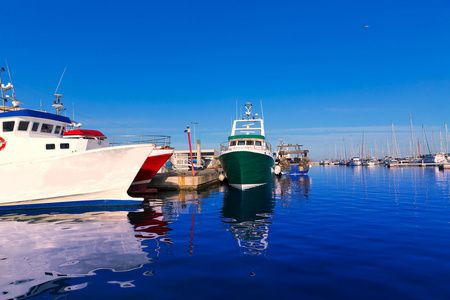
pixel 45 249
pixel 292 188
pixel 248 214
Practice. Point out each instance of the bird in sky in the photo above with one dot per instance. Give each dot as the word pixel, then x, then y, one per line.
pixel 367 26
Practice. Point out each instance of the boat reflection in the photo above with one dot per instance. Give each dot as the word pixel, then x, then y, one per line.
pixel 292 189
pixel 47 248
pixel 248 215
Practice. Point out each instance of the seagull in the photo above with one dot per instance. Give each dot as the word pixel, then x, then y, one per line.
pixel 367 26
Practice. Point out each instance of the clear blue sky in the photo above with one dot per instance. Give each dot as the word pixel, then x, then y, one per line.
pixel 152 67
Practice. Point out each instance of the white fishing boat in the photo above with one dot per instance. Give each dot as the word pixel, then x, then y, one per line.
pixel 37 165
pixel 246 157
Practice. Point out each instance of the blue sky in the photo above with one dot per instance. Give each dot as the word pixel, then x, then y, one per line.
pixel 153 67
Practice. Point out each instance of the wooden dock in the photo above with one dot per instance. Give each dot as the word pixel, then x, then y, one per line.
pixel 185 181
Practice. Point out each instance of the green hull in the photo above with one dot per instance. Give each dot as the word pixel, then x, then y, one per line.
pixel 246 168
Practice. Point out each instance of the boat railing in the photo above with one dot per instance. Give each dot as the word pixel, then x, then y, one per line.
pixel 156 140
pixel 225 146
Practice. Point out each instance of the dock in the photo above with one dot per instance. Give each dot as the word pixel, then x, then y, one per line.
pixel 440 165
pixel 185 180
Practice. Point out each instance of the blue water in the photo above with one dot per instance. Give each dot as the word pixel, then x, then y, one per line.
pixel 339 233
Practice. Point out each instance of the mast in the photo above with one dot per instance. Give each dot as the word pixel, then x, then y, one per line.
pixel 412 137
pixel 432 139
pixel 425 139
pixel 388 150
pixel 446 139
pixel 351 146
pixel 345 149
pixel 418 147
pixel 362 147
pixel 392 137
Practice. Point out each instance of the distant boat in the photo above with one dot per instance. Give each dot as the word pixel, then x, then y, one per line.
pixel 435 158
pixel 370 162
pixel 355 161
pixel 247 158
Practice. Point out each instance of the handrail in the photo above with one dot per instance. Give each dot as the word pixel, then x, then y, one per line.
pixel 156 140
pixel 225 146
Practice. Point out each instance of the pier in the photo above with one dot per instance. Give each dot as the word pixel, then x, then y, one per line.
pixel 184 181
pixel 440 165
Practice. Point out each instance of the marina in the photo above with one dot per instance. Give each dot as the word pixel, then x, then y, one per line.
pixel 224 150
pixel 358 231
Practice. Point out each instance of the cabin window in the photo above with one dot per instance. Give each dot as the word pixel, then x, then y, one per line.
pixel 35 127
pixel 57 129
pixel 258 143
pixel 233 143
pixel 62 131
pixel 23 125
pixel 47 128
pixel 8 126
pixel 64 146
pixel 249 143
pixel 241 143
pixel 50 146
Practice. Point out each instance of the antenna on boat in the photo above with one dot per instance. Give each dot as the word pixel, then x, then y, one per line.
pixel 57 87
pixel 15 102
pixel 57 103
pixel 2 87
pixel 248 106
pixel 10 80
pixel 262 111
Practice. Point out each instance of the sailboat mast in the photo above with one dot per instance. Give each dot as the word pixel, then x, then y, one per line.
pixel 345 149
pixel 362 147
pixel 412 137
pixel 351 146
pixel 425 139
pixel 446 139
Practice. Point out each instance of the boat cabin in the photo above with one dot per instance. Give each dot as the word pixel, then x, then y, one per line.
pixel 27 134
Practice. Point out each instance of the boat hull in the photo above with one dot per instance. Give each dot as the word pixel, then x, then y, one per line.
pixel 148 170
pixel 82 176
pixel 246 169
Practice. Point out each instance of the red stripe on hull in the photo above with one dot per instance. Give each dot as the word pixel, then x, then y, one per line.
pixel 151 166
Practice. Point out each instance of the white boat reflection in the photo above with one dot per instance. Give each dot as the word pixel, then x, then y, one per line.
pixel 46 248
pixel 248 214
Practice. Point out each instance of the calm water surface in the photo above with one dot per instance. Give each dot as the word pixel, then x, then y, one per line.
pixel 341 233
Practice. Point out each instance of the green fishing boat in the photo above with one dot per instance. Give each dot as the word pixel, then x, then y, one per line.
pixel 246 157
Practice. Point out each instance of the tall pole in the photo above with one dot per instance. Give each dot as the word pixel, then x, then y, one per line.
pixel 195 141
pixel 188 130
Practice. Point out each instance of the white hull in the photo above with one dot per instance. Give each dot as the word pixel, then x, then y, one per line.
pixel 95 174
